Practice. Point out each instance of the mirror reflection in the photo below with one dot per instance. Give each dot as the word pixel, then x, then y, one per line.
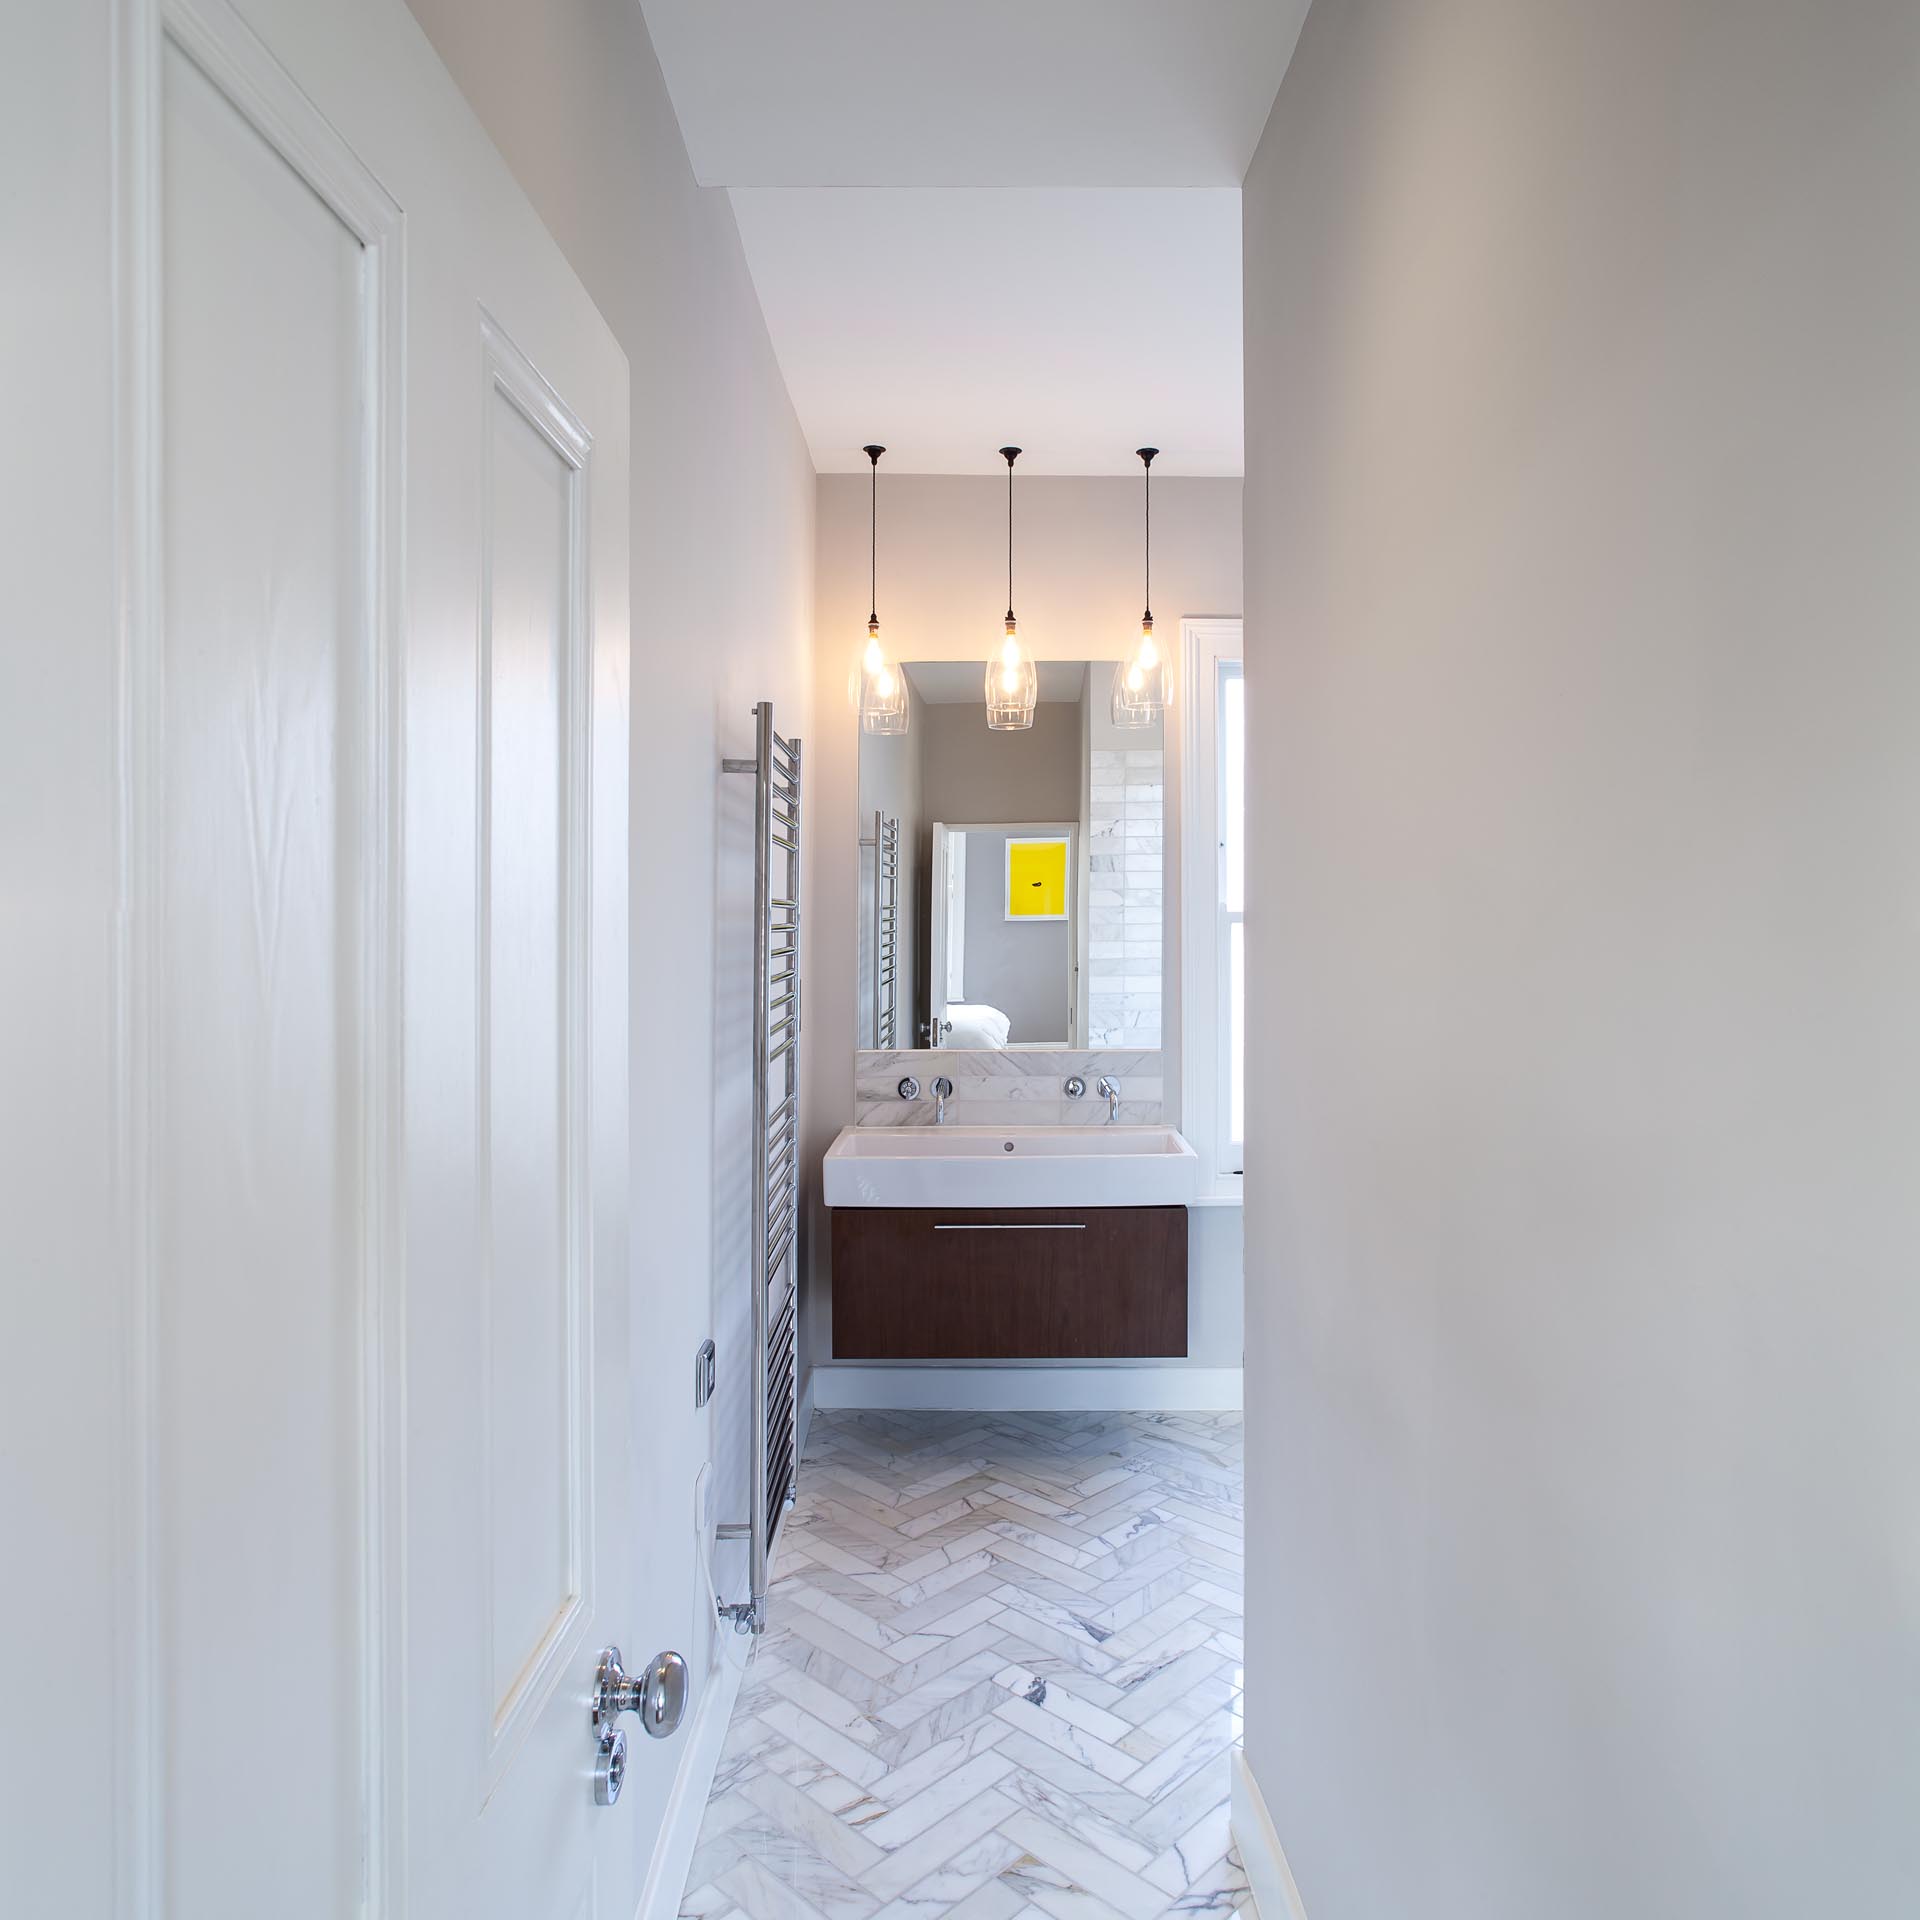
pixel 1010 882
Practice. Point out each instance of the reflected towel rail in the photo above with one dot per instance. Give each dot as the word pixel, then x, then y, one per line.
pixel 885 842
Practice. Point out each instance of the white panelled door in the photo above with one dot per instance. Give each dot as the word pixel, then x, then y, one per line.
pixel 362 1125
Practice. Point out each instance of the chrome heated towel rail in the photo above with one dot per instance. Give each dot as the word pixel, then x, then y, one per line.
pixel 775 767
pixel 886 927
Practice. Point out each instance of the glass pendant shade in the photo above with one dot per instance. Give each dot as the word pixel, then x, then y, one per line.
pixel 1013 685
pixel 1142 685
pixel 883 688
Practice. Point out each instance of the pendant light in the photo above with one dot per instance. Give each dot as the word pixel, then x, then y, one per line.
pixel 1142 682
pixel 883 686
pixel 1013 687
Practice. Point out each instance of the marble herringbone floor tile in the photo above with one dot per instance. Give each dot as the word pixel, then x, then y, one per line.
pixel 1002 1679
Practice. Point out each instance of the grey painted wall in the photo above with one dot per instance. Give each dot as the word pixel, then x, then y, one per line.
pixel 973 775
pixel 1583 645
pixel 969 772
pixel 1025 968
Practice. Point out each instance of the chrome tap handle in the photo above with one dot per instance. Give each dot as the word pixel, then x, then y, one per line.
pixel 1109 1091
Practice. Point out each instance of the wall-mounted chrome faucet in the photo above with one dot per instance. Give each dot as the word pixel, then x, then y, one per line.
pixel 1109 1091
pixel 942 1091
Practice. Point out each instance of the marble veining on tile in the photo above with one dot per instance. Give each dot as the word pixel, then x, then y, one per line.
pixel 1002 1677
pixel 1125 901
pixel 1008 1087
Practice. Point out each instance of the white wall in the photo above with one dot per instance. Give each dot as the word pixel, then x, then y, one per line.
pixel 722 610
pixel 942 585
pixel 1583 654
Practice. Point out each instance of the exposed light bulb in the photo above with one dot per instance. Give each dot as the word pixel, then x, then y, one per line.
pixel 883 700
pixel 1012 685
pixel 1149 654
pixel 1136 679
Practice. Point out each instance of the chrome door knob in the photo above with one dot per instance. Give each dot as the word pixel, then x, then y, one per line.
pixel 658 1694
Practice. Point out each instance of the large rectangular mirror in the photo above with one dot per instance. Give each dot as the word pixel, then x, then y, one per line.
pixel 1010 882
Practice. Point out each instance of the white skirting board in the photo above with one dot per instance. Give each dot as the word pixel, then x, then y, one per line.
pixel 687 1804
pixel 1275 1897
pixel 1030 1389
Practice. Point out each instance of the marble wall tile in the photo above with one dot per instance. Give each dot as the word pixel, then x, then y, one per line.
pixel 1127 843
pixel 1012 1088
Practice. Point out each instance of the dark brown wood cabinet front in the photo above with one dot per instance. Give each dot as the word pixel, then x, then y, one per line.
pixel 1106 1283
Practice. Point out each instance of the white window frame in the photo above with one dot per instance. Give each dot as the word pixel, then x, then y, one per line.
pixel 1205 644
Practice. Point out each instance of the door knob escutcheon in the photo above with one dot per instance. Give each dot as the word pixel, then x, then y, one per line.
pixel 610 1769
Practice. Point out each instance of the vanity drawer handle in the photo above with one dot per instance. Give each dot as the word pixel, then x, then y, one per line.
pixel 1009 1226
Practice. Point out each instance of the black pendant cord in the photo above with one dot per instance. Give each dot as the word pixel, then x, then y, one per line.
pixel 1146 461
pixel 1009 455
pixel 873 532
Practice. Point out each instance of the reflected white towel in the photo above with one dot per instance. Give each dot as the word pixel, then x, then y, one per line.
pixel 979 1028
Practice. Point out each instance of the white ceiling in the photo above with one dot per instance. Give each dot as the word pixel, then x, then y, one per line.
pixel 998 93
pixel 955 683
pixel 1075 324
pixel 1017 221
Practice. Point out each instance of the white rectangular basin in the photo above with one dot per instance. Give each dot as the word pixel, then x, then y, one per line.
pixel 1010 1167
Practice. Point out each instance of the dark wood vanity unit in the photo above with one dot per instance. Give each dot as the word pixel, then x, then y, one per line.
pixel 1099 1283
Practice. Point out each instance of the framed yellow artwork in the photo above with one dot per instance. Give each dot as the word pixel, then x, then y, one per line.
pixel 1037 878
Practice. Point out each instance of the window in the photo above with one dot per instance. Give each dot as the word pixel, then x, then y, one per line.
pixel 1213 908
